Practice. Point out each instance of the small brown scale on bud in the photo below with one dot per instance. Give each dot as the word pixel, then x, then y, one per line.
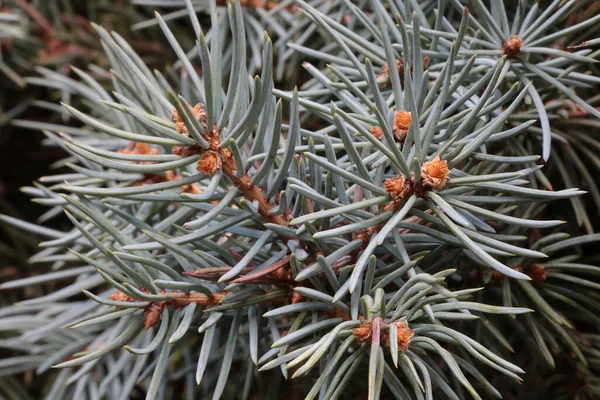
pixel 120 296
pixel 435 173
pixel 187 151
pixel 199 114
pixel 385 73
pixel 149 179
pixel 171 175
pixel 397 187
pixel 138 148
pixel 377 132
pixel 537 273
pixel 363 333
pixel 384 76
pixel 141 149
pixel 404 335
pixel 402 120
pixel 512 46
pixel 179 125
pixel 209 162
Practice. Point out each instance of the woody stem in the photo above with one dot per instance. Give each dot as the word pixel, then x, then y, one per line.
pixel 248 190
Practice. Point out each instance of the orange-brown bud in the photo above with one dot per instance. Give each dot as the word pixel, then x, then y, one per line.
pixel 138 148
pixel 435 173
pixel 537 273
pixel 512 46
pixel 363 333
pixel 120 296
pixel 187 151
pixel 199 114
pixel 397 187
pixel 385 72
pixel 404 335
pixel 377 132
pixel 153 314
pixel 402 120
pixel 209 163
pixel 171 175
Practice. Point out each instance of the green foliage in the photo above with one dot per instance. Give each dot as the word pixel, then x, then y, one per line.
pixel 379 231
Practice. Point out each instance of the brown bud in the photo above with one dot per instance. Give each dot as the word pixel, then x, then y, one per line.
pixel 153 314
pixel 512 46
pixel 143 148
pixel 171 175
pixel 397 187
pixel 120 296
pixel 404 335
pixel 138 148
pixel 377 132
pixel 363 333
pixel 435 173
pixel 209 162
pixel 179 151
pixel 199 114
pixel 181 128
pixel 402 120
pixel 179 125
pixel 537 273
pixel 385 72
pixel 187 151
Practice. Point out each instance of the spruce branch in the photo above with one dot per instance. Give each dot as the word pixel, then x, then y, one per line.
pixel 377 230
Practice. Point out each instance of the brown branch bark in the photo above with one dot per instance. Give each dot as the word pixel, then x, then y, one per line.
pixel 247 189
pixel 265 272
pixel 35 15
